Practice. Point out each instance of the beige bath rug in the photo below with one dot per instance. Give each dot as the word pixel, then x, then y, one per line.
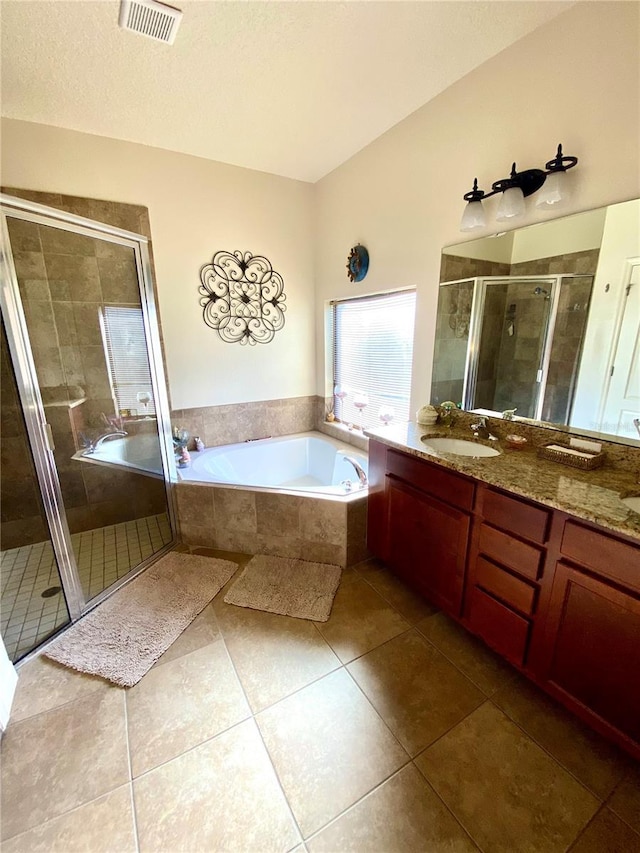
pixel 125 635
pixel 286 586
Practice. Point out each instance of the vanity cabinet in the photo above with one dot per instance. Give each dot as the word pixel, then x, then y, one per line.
pixel 427 520
pixel 589 651
pixel 557 597
pixel 506 561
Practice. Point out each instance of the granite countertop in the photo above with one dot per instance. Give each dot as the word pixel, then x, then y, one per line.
pixel 592 495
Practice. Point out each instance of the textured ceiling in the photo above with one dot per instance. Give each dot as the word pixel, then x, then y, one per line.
pixel 293 88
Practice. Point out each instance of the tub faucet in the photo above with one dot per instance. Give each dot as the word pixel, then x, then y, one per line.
pixel 481 430
pixel 359 470
pixel 92 446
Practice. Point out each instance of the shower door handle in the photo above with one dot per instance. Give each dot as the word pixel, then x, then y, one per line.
pixel 539 375
pixel 48 434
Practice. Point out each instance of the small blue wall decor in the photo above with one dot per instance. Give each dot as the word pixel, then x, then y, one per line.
pixel 242 297
pixel 357 263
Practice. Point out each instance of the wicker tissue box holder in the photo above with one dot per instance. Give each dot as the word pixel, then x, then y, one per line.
pixel 566 456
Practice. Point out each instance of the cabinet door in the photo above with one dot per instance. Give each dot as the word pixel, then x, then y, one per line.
pixel 427 544
pixel 593 652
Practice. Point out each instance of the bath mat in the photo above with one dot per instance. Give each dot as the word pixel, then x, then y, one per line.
pixel 286 586
pixel 125 635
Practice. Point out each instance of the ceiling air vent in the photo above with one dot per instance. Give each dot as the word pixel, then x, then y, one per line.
pixel 149 18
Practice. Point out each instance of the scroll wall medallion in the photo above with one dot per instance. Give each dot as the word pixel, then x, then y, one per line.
pixel 242 297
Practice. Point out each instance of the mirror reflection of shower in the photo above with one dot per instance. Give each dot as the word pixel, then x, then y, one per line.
pixel 512 342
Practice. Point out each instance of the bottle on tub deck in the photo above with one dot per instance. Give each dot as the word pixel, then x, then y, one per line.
pixel 184 458
pixel 198 443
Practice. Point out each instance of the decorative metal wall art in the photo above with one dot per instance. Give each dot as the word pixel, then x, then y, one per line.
pixel 357 263
pixel 242 297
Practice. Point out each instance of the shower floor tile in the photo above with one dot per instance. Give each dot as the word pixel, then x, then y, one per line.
pixel 103 555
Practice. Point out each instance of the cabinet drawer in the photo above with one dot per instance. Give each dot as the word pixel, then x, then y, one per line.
pixel 516 516
pixel 505 586
pixel 512 553
pixel 499 627
pixel 611 557
pixel 452 488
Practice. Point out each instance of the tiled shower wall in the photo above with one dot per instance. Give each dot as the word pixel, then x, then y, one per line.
pixel 63 277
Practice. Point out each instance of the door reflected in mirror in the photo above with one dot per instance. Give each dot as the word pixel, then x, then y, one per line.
pixel 546 320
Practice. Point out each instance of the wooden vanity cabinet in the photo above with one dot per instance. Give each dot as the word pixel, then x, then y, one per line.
pixel 506 560
pixel 557 597
pixel 588 654
pixel 421 524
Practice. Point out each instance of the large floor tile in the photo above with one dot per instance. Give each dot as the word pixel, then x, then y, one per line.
pixel 105 825
pixel 401 815
pixel 60 759
pixel 44 684
pixel 181 704
pixel 418 693
pixel 202 631
pixel 592 760
pixel 607 834
pixel 408 603
pixel 360 620
pixel 469 654
pixel 505 790
pixel 329 748
pixel 222 795
pixel 625 801
pixel 274 655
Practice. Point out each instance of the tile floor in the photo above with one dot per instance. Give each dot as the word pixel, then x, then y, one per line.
pixel 387 728
pixel 103 556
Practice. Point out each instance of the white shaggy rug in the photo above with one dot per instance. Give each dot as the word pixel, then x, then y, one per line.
pixel 125 635
pixel 287 586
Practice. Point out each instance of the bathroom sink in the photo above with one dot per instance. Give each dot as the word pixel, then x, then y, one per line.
pixel 633 503
pixel 460 447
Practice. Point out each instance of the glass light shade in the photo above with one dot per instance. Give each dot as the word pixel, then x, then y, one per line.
pixel 512 204
pixel 554 190
pixel 473 216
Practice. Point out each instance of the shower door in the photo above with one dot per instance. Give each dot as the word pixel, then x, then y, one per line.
pixel 512 345
pixel 80 321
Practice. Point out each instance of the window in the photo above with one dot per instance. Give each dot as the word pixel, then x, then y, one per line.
pixel 125 347
pixel 372 355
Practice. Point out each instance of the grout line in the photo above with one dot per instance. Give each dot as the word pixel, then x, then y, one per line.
pixel 266 749
pixel 129 765
pixel 447 807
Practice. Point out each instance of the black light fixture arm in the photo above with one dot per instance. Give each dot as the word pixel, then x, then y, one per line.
pixel 529 181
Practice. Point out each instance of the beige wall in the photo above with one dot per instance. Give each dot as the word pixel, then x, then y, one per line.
pixel 401 196
pixel 575 81
pixel 196 207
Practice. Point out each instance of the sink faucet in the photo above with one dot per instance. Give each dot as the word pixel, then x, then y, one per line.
pixel 636 423
pixel 481 430
pixel 92 446
pixel 359 470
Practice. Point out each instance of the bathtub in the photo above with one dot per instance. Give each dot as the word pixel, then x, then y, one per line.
pixel 138 453
pixel 307 462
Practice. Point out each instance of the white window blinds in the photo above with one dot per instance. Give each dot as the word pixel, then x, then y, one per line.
pixel 372 355
pixel 127 359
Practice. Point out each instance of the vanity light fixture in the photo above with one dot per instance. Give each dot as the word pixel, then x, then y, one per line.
pixel 516 188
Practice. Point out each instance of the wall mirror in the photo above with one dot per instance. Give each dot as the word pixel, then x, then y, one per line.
pixel 545 319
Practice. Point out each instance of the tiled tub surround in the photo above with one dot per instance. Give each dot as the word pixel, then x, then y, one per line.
pixel 591 495
pixel 326 530
pixel 230 424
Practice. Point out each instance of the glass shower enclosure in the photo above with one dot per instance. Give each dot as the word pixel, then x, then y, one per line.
pixel 511 343
pixel 86 449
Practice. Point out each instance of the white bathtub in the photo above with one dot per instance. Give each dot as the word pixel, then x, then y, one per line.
pixel 140 453
pixel 307 462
